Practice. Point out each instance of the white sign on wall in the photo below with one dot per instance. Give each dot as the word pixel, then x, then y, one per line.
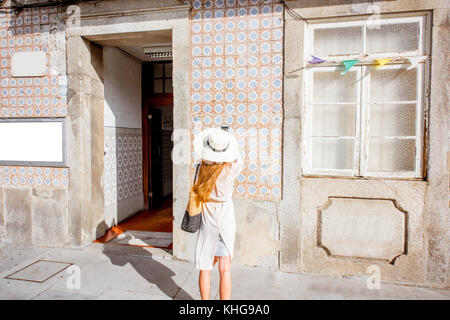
pixel 33 141
pixel 29 64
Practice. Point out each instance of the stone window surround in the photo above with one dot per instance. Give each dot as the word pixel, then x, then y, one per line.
pixel 361 140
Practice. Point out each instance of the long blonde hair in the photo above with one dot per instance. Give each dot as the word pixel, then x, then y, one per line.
pixel 207 177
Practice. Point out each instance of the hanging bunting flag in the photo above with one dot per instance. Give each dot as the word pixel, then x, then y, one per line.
pixel 315 60
pixel 414 61
pixel 381 62
pixel 348 64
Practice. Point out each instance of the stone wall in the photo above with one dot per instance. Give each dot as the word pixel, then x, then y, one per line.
pixel 33 198
pixel 34 216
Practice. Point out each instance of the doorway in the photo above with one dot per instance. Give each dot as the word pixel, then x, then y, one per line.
pixel 157 124
pixel 87 209
pixel 150 223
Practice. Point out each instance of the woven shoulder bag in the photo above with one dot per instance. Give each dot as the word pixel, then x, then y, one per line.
pixel 193 214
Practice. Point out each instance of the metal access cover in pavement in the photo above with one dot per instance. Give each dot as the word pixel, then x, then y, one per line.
pixel 39 271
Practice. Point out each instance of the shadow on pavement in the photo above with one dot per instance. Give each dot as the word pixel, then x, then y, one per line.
pixel 154 272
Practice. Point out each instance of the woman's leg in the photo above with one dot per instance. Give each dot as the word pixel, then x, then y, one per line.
pixel 204 281
pixel 225 277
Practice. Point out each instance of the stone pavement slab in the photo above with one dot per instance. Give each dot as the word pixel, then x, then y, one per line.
pixel 109 274
pixel 114 294
pixel 39 271
pixel 52 294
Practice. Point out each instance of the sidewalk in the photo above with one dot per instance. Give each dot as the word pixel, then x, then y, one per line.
pixel 108 273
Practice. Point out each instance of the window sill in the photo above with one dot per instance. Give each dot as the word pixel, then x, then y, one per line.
pixel 317 176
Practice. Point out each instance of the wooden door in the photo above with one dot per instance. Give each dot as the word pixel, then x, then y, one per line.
pixel 156 92
pixel 155 172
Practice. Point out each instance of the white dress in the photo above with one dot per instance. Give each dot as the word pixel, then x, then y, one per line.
pixel 218 219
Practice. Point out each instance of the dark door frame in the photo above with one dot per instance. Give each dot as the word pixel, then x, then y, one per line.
pixel 149 99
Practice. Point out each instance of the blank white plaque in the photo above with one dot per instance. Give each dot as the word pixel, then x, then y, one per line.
pixel 28 64
pixel 31 141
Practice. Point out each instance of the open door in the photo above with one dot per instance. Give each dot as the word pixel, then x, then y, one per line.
pixel 155 159
pixel 157 115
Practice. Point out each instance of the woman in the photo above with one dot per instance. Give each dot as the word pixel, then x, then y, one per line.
pixel 220 165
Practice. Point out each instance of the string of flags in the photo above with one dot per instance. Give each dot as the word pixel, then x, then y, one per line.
pixel 348 64
pixel 381 62
pixel 414 61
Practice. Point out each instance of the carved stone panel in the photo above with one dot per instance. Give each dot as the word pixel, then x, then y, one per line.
pixel 361 228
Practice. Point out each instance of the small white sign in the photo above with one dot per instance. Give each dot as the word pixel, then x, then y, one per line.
pixel 28 64
pixel 31 141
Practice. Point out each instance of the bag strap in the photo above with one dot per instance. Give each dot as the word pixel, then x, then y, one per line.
pixel 196 172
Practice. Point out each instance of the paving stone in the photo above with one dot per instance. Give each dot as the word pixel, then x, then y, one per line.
pixel 39 271
pixel 130 295
pixel 62 295
pixel 113 276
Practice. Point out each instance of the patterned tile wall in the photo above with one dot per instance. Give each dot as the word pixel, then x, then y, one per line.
pixel 34 177
pixel 34 96
pixel 236 79
pixel 123 164
pixel 30 97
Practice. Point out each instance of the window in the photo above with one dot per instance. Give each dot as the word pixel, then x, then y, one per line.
pixel 368 122
pixel 162 77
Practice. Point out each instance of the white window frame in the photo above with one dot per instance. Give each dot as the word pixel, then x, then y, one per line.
pixel 421 50
pixel 419 130
pixel 308 125
pixel 360 157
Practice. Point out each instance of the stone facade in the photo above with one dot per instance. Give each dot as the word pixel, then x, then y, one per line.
pixel 285 220
pixel 34 199
pixel 411 205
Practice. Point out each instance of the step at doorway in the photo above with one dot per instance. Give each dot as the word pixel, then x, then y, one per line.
pixel 147 228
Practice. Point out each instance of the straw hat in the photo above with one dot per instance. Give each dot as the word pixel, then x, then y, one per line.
pixel 216 145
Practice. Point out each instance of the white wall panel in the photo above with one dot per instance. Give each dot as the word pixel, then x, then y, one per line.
pixel 34 141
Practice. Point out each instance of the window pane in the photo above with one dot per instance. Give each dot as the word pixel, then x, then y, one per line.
pixel 158 70
pixel 391 155
pixel 399 37
pixel 332 153
pixel 333 120
pixel 158 86
pixel 393 85
pixel 331 87
pixel 334 41
pixel 168 70
pixel 392 120
pixel 168 85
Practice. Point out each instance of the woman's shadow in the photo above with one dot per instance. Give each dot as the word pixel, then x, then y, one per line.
pixel 154 272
